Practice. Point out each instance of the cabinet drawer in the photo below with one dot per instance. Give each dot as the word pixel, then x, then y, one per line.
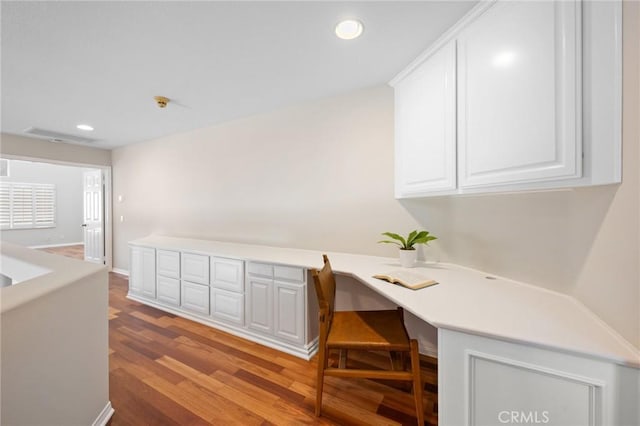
pixel 227 306
pixel 168 263
pixel 261 269
pixel 195 268
pixel 195 297
pixel 227 274
pixel 168 291
pixel 288 273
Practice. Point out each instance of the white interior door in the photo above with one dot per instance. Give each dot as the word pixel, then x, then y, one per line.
pixel 93 217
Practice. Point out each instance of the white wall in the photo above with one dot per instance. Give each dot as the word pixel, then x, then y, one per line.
pixel 320 175
pixel 69 204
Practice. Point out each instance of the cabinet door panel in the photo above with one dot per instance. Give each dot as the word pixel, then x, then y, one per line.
pixel 195 297
pixel 195 268
pixel 227 274
pixel 227 306
pixel 260 304
pixel 148 272
pixel 168 263
pixel 289 311
pixel 135 270
pixel 168 290
pixel 425 126
pixel 519 102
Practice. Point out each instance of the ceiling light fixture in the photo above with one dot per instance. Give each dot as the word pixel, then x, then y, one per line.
pixel 349 29
pixel 85 127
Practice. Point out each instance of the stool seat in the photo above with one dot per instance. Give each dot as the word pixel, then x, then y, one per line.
pixel 368 330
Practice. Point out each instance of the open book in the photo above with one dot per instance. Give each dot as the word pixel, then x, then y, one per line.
pixel 409 279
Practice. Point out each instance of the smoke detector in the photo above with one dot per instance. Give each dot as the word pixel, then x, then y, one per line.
pixel 161 101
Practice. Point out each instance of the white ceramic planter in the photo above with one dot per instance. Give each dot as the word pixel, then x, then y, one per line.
pixel 408 258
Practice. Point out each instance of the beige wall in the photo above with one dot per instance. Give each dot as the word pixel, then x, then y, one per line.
pixel 609 282
pixel 23 147
pixel 320 176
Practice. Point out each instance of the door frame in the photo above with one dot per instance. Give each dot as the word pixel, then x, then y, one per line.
pixel 107 222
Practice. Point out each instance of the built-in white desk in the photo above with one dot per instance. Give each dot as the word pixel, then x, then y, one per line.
pixel 503 345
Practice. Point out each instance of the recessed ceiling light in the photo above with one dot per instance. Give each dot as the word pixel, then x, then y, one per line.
pixel 85 127
pixel 349 29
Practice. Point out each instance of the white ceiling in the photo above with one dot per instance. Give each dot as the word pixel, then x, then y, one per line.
pixel 101 63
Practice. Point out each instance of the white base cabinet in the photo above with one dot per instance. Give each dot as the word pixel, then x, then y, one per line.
pixel 267 303
pixel 276 301
pixel 486 381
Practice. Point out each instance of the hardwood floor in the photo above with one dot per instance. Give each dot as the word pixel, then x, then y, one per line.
pixel 166 370
pixel 75 251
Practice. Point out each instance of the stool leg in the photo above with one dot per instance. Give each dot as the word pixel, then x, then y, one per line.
pixel 417 381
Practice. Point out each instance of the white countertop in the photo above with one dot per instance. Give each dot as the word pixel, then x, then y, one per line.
pixel 464 300
pixel 58 272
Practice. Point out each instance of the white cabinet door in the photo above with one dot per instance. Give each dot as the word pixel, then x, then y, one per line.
pixel 519 94
pixel 259 299
pixel 168 263
pixel 227 306
pixel 195 297
pixel 142 279
pixel 195 268
pixel 135 270
pixel 425 126
pixel 227 274
pixel 168 290
pixel 289 318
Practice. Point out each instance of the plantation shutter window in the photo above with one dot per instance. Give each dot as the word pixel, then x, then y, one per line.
pixel 27 205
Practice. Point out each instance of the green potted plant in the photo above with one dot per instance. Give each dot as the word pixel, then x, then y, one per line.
pixel 408 253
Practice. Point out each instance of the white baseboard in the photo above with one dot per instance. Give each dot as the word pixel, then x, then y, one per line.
pixel 120 271
pixel 57 245
pixel 104 416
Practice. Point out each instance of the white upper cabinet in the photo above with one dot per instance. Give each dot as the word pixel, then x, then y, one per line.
pixel 425 126
pixel 519 86
pixel 518 95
